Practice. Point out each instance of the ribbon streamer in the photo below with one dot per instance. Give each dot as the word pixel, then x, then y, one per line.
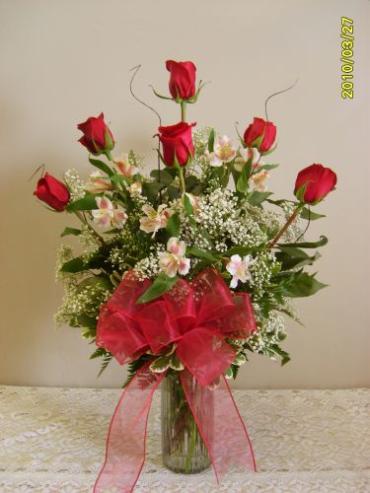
pixel 199 317
pixel 224 434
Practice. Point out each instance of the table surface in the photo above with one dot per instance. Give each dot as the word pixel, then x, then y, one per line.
pixel 52 440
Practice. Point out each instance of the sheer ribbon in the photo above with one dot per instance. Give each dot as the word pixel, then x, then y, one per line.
pixel 198 317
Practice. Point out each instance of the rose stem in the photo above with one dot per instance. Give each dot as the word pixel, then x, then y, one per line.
pixel 284 228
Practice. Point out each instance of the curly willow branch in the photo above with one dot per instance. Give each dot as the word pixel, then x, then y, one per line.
pixel 135 70
pixel 276 94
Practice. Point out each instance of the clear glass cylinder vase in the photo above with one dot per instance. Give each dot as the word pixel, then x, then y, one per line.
pixel 183 449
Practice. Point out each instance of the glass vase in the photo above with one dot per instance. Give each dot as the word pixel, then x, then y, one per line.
pixel 183 449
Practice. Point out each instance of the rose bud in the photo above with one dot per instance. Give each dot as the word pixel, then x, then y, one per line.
pixel 182 79
pixel 177 143
pixel 53 192
pixel 314 183
pixel 260 134
pixel 97 138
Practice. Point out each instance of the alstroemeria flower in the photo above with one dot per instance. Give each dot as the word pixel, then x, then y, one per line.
pixel 106 215
pixel 98 183
pixel 259 180
pixel 135 188
pixel 224 151
pixel 239 268
pixel 174 261
pixel 247 154
pixel 124 167
pixel 155 219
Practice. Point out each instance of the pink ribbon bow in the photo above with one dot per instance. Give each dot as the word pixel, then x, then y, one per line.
pixel 197 316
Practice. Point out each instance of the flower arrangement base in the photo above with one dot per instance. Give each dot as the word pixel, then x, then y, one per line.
pixel 183 449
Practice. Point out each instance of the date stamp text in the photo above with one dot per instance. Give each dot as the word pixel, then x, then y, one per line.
pixel 347 61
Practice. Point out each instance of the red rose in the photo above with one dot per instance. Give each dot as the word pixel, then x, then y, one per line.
pixel 53 192
pixel 177 142
pixel 318 182
pixel 97 138
pixel 260 134
pixel 182 80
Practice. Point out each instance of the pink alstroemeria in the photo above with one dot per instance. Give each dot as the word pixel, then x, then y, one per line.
pixel 98 183
pixel 224 151
pixel 174 261
pixel 155 219
pixel 124 167
pixel 106 215
pixel 259 180
pixel 248 154
pixel 239 268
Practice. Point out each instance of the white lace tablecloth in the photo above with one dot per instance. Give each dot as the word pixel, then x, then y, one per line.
pixel 314 441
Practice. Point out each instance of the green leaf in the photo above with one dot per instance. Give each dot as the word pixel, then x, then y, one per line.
pixel 291 257
pixel 98 353
pixel 87 203
pixel 266 167
pixel 88 322
pixel 160 364
pixel 301 284
pixel 238 250
pixel 211 140
pixel 199 253
pixel 161 285
pixel 307 244
pixel 192 183
pixel 74 265
pixel 242 183
pixel 151 190
pixel 301 192
pixel 256 198
pixel 173 192
pixel 173 225
pixel 71 231
pixel 175 363
pixel 163 176
pixel 285 358
pixel 102 166
pixel 306 213
pixel 187 205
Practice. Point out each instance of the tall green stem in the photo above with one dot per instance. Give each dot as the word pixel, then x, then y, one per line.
pixel 183 111
pixel 182 180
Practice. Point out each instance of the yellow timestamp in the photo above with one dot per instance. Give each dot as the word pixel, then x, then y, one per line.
pixel 347 61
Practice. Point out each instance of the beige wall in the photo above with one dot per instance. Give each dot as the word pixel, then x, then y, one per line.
pixel 62 61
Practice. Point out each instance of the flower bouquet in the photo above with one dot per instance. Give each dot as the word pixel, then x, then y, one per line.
pixel 180 275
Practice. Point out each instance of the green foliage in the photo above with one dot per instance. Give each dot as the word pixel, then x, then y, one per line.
pixel 101 166
pixel 307 244
pixel 256 198
pixel 160 285
pixel 173 225
pixel 87 203
pixel 75 265
pixel 134 366
pixel 163 176
pixel 71 231
pixel 292 257
pixel 106 358
pixel 298 284
pixel 195 251
pixel 211 140
pixel 243 179
pixel 308 214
